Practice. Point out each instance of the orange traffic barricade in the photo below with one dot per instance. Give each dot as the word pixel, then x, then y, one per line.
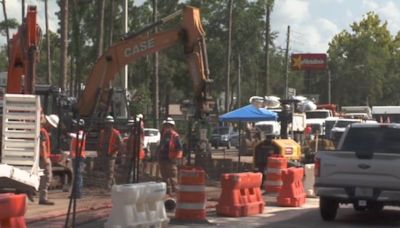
pixel 240 195
pixel 275 165
pixel 191 195
pixel 292 192
pixel 12 210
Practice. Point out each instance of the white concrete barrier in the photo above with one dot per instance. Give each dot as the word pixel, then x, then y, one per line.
pixel 138 205
pixel 309 180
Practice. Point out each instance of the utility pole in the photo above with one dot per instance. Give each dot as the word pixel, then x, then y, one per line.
pixel 125 81
pixel 156 94
pixel 239 95
pixel 329 86
pixel 287 63
pixel 23 11
pixel 266 88
pixel 228 61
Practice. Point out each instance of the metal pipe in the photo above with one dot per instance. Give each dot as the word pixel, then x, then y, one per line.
pixel 151 26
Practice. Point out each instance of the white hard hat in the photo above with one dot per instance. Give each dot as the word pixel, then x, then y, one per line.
pixel 109 119
pixel 169 120
pixel 256 99
pixel 53 120
pixel 139 116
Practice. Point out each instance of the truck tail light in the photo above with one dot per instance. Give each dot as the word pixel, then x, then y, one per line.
pixel 317 167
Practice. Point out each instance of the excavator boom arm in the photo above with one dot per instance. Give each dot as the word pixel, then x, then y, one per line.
pixel 24 55
pixel 190 34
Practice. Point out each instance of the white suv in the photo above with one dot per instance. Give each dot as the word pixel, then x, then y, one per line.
pixel 151 141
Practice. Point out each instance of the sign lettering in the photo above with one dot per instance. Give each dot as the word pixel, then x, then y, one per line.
pixel 141 47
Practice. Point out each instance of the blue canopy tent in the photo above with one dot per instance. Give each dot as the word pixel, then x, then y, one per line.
pixel 248 113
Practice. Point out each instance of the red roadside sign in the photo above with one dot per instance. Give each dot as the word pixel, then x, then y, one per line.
pixel 315 61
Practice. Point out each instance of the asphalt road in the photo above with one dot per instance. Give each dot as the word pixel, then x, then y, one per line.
pixel 306 216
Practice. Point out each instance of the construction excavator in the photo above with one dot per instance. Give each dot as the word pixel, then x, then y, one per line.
pixel 93 104
pixel 95 99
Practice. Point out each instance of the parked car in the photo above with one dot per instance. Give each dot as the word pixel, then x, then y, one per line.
pixel 235 140
pixel 221 137
pixel 151 140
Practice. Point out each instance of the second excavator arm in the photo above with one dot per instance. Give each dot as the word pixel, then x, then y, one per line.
pixel 190 34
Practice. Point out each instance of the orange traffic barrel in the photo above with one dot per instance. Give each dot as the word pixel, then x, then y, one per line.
pixel 191 195
pixel 12 210
pixel 275 165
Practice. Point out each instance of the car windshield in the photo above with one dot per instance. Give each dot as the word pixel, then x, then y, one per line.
pixel 317 115
pixel 150 133
pixel 221 130
pixel 344 123
pixel 366 141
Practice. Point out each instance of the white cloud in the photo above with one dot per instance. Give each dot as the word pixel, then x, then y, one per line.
pixel 370 4
pixel 391 13
pixel 291 11
pixel 327 26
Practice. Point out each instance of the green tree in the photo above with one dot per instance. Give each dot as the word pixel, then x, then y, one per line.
pixel 360 62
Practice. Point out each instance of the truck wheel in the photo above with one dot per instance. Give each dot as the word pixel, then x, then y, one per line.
pixel 328 208
pixel 357 207
pixel 375 206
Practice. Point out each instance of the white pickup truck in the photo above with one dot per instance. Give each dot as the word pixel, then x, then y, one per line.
pixel 363 171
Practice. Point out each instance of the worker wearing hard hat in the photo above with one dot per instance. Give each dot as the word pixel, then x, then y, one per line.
pixel 51 121
pixel 109 145
pixel 134 145
pixel 170 150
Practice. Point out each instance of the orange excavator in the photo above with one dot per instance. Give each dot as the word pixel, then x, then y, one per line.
pixel 95 98
pixel 24 55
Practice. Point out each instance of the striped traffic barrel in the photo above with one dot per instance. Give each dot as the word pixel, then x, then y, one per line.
pixel 275 165
pixel 191 194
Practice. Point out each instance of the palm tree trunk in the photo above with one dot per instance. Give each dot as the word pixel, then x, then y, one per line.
pixel 64 43
pixel 156 94
pixel 100 28
pixel 47 43
pixel 110 41
pixel 228 57
pixel 7 30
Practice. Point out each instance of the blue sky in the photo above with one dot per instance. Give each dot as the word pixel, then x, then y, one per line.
pixel 313 22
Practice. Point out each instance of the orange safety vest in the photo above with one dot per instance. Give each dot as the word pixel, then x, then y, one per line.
pixel 74 142
pixel 111 141
pixel 130 142
pixel 45 144
pixel 173 153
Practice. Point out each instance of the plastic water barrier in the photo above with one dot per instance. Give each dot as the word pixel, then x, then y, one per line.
pixel 138 205
pixel 240 195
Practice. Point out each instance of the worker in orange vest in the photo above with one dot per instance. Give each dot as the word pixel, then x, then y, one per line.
pixel 51 121
pixel 169 152
pixel 109 145
pixel 80 144
pixel 134 145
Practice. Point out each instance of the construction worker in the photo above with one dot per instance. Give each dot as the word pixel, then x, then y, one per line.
pixel 77 146
pixel 135 145
pixel 51 121
pixel 169 152
pixel 109 145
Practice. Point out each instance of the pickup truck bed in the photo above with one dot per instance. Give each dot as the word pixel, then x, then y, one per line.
pixel 363 171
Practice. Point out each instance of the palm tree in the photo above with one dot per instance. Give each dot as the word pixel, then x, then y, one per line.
pixel 64 43
pixel 7 28
pixel 47 43
pixel 100 27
